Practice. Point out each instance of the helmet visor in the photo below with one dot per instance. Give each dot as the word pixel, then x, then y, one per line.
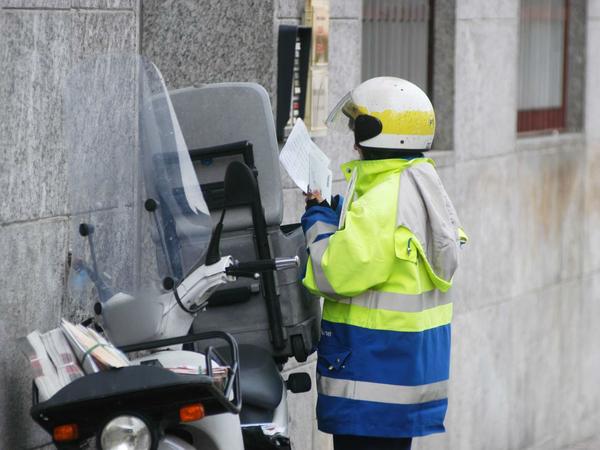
pixel 341 118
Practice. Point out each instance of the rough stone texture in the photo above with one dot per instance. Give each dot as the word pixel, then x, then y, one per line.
pixel 344 75
pixel 206 42
pixel 527 297
pixel 591 256
pixel 67 4
pixel 475 199
pixel 303 425
pixel 30 115
pixel 339 9
pixel 576 68
pixel 592 102
pixel 594 9
pixel 442 96
pixel 38 48
pixel 485 99
pixel 477 9
pixel 32 289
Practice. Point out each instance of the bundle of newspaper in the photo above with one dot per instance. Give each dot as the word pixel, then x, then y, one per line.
pixel 45 373
pixel 58 356
pixel 219 373
pixel 93 351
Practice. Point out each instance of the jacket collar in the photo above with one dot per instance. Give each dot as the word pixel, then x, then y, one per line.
pixel 372 172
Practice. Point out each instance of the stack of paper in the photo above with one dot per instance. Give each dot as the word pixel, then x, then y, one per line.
pixel 57 357
pixel 62 356
pixel 219 373
pixel 44 373
pixel 305 163
pixel 93 351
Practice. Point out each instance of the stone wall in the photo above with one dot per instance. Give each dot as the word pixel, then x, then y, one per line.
pixel 39 42
pixel 525 363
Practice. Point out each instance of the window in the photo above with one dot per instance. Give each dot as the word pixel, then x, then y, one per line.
pixel 543 65
pixel 396 39
pixel 414 40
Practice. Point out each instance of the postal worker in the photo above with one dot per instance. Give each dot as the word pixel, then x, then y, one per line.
pixel 383 260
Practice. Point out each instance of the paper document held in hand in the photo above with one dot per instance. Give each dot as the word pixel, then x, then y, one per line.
pixel 305 163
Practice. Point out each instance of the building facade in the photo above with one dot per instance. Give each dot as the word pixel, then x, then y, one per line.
pixel 527 296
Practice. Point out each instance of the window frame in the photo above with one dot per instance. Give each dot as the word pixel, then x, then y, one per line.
pixel 441 69
pixel 548 120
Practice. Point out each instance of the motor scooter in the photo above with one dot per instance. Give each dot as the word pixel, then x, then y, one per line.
pixel 135 201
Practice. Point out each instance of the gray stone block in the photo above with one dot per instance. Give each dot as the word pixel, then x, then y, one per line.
pixel 530 238
pixel 32 291
pixel 338 9
pixel 106 4
pixel 513 371
pixel 477 9
pixel 591 253
pixel 486 89
pixel 206 42
pixel 36 45
pixel 593 9
pixel 301 408
pixel 576 37
pixel 443 71
pixel 588 336
pixel 36 4
pixel 103 33
pixel 293 205
pixel 290 8
pixel 68 4
pixel 37 186
pixel 41 46
pixel 345 9
pixel 549 200
pixel 302 412
pixel 485 198
pixel 592 89
pixel 344 75
pixel 480 400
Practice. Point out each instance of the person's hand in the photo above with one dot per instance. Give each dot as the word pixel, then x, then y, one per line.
pixel 314 195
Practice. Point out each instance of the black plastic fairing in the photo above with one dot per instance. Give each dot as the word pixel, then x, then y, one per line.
pixel 152 393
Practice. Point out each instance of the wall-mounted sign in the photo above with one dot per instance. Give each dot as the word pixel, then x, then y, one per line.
pixel 292 76
pixel 316 16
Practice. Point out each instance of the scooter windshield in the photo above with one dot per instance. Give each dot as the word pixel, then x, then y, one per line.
pixel 139 221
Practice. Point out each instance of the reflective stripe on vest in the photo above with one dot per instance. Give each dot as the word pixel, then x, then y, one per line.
pixel 391 301
pixel 317 249
pixel 381 319
pixel 318 229
pixel 382 393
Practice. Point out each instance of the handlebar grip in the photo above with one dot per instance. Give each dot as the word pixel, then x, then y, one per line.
pixel 287 263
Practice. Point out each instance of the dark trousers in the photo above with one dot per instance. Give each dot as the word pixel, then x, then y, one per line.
pixel 341 442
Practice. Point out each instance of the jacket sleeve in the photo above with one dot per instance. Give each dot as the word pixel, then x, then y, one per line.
pixel 347 262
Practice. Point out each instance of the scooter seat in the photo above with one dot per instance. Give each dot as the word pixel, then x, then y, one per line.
pixel 260 381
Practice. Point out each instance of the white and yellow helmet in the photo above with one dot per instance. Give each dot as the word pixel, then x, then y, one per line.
pixel 386 113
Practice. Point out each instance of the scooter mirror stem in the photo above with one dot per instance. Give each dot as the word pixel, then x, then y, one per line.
pixel 213 255
pixel 87 230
